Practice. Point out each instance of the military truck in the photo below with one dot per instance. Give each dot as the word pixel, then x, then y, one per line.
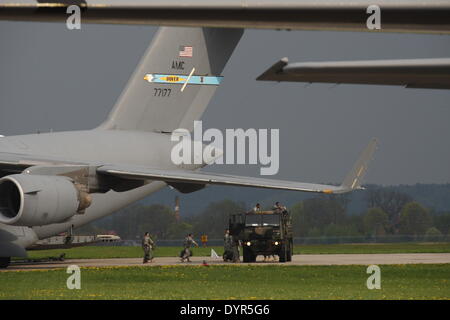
pixel 263 233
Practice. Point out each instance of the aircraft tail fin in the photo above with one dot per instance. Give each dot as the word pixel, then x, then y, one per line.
pixel 354 178
pixel 175 79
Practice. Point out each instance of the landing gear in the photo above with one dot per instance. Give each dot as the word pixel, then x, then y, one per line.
pixel 4 262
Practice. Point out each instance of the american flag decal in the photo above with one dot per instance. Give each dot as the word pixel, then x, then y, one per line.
pixel 185 51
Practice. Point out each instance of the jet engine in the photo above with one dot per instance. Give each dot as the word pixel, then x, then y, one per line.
pixel 36 200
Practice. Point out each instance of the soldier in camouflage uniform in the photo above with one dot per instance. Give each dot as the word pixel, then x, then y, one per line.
pixel 235 249
pixel 189 242
pixel 227 246
pixel 147 245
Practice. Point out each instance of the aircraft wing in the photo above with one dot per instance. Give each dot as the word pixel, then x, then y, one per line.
pixel 15 163
pixel 351 182
pixel 12 163
pixel 24 160
pixel 203 178
pixel 431 16
pixel 412 73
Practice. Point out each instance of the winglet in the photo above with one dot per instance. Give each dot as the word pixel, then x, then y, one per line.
pixel 354 178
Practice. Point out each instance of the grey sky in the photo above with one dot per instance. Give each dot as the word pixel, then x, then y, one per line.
pixel 52 78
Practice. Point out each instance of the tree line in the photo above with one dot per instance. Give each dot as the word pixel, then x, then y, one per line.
pixel 388 213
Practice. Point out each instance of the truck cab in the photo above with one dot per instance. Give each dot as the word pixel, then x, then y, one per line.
pixel 263 233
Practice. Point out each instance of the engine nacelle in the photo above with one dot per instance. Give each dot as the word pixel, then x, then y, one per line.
pixel 36 200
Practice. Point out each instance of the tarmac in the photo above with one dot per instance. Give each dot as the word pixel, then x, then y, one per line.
pixel 297 260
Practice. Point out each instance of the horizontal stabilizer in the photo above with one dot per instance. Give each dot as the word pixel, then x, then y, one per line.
pixel 431 73
pixel 430 16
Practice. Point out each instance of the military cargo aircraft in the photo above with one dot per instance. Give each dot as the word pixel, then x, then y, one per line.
pixel 53 182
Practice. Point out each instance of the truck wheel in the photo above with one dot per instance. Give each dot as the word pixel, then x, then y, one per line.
pixel 289 253
pixel 283 254
pixel 4 262
pixel 248 255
